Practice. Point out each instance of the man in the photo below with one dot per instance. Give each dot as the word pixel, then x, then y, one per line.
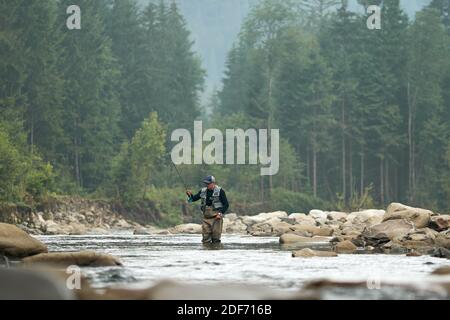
pixel 214 205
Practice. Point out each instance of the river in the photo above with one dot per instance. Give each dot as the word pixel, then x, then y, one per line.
pixel 241 260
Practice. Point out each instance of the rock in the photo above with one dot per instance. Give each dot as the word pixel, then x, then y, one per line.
pixel 318 214
pixel 441 253
pixel 122 224
pixel 345 247
pixel 231 217
pixel 251 220
pixel 413 254
pixel 17 284
pixel 390 228
pixel 163 232
pixel 442 271
pixel 190 228
pixel 81 259
pixel 308 253
pixel 271 227
pixel 442 240
pixel 15 242
pixel 77 229
pixel 234 226
pixel 420 217
pixel 337 216
pixel 97 231
pixel 315 231
pixel 289 238
pixel 301 218
pixel 141 231
pixel 53 228
pixel 276 214
pixel 366 218
pixel 440 223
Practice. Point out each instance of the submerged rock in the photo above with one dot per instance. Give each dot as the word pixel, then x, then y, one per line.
pixel 289 238
pixel 309 253
pixel 442 271
pixel 345 247
pixel 81 259
pixel 315 231
pixel 15 242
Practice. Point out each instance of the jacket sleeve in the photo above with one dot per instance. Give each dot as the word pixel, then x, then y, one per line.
pixel 224 200
pixel 195 197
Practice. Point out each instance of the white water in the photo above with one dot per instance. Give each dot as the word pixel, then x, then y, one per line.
pixel 243 259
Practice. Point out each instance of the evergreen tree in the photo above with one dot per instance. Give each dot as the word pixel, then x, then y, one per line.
pixel 91 103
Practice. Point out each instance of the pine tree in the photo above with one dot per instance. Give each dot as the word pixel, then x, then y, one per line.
pixel 91 104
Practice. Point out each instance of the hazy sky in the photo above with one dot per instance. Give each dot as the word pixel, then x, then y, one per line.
pixel 215 25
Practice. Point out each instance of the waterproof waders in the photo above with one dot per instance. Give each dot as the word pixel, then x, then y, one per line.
pixel 211 227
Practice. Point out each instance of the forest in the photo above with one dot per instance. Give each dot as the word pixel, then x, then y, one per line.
pixel 364 115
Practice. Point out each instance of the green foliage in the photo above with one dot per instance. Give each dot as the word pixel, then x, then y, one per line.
pixel 132 168
pixel 169 202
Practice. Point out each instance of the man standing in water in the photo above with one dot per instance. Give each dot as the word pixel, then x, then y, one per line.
pixel 214 205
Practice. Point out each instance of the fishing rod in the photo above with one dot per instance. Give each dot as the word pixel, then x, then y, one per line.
pixel 179 174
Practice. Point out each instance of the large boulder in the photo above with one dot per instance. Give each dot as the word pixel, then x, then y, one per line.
pixel 289 238
pixel 309 253
pixel 440 223
pixel 15 242
pixel 442 240
pixel 18 284
pixel 234 226
pixel 441 253
pixel 271 227
pixel 390 229
pixel 337 216
pixel 420 217
pixel 442 271
pixel 301 218
pixel 366 218
pixel 318 214
pixel 81 259
pixel 345 247
pixel 189 228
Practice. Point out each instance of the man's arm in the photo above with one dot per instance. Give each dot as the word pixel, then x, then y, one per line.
pixel 224 200
pixel 194 198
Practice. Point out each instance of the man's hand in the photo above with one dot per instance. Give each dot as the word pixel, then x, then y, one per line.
pixel 189 193
pixel 219 216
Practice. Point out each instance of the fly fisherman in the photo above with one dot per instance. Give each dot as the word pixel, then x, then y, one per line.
pixel 214 205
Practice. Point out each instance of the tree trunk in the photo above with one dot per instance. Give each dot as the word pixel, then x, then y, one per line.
pixel 314 171
pixel 412 164
pixel 344 186
pixel 381 182
pixel 261 185
pixel 32 131
pixel 362 173
pixel 350 170
pixel 386 181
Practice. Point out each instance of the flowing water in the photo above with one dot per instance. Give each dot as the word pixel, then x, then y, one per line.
pixel 242 260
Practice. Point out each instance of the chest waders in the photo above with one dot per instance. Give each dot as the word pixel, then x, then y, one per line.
pixel 211 211
pixel 212 227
